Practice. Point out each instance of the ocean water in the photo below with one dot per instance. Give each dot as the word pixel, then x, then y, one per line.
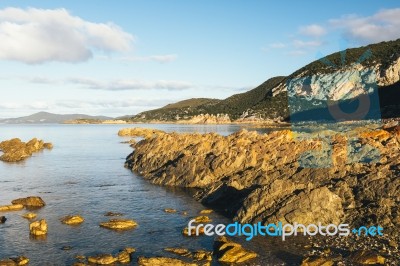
pixel 84 174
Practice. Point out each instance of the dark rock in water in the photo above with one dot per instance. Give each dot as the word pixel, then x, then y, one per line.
pixel 113 214
pixel 3 219
pixel 30 202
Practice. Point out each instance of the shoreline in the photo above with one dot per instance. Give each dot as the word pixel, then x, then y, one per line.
pixel 228 172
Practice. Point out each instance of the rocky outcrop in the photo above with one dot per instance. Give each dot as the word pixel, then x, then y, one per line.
pixel 230 252
pixel 258 177
pixel 15 261
pixel 207 119
pixel 103 259
pixel 124 256
pixel 13 207
pixel 163 261
pixel 38 228
pixel 72 220
pixel 138 132
pixel 343 82
pixel 119 224
pixel 15 150
pixel 33 201
pixel 29 215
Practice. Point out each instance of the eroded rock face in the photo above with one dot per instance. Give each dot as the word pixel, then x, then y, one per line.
pixel 15 150
pixel 257 177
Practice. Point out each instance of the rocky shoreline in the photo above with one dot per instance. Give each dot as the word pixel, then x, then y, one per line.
pixel 15 150
pixel 255 177
pixel 224 250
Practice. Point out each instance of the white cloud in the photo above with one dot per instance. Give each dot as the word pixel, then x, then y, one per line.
pixel 381 26
pixel 40 35
pixel 131 84
pixel 277 45
pixel 306 44
pixel 296 53
pixel 313 30
pixel 156 58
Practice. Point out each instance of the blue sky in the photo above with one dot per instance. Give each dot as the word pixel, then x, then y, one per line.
pixel 116 58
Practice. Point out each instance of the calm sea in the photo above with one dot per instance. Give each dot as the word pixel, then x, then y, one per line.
pixel 84 174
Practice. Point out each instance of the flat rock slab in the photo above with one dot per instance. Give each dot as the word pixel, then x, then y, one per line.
pixel 119 224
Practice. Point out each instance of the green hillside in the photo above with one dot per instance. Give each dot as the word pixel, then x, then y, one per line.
pixel 260 102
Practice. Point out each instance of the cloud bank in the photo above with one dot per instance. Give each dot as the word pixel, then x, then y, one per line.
pixel 381 26
pixel 41 35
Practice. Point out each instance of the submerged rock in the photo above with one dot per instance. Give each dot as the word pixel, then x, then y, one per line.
pixel 206 211
pixel 17 261
pixel 103 259
pixel 169 210
pixel 193 231
pixel 125 255
pixel 32 201
pixel 38 228
pixel 29 215
pixel 72 220
pixel 202 219
pixel 13 207
pixel 179 251
pixel 113 214
pixel 119 224
pixel 163 261
pixel 15 150
pixel 230 252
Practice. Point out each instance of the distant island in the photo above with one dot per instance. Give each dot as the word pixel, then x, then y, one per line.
pixel 50 118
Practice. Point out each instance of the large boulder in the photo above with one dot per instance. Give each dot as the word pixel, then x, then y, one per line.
pixel 38 228
pixel 32 201
pixel 72 220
